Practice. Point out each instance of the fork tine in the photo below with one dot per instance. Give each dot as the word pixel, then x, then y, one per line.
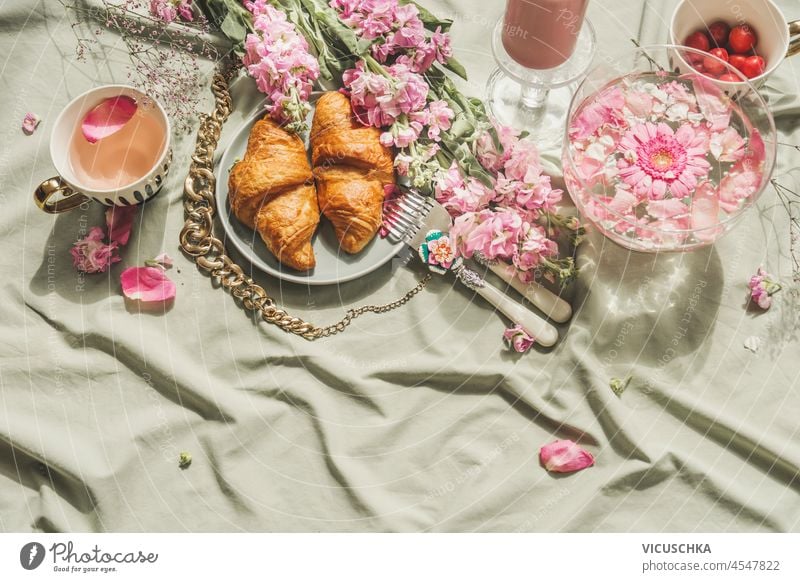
pixel 404 215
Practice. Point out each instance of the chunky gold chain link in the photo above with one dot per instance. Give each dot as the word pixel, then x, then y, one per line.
pixel 198 240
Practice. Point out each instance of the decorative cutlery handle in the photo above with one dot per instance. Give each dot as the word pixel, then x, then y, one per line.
pixel 551 304
pixel 544 333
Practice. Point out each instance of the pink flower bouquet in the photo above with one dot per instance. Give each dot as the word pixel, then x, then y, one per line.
pixel 661 160
pixel 391 58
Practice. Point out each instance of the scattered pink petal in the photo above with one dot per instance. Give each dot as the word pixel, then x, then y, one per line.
pixel 762 287
pixel 518 339
pixel 92 255
pixel 147 284
pixel 108 117
pixel 163 260
pixel 30 123
pixel 119 220
pixel 565 457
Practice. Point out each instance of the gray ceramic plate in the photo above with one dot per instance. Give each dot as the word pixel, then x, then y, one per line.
pixel 333 265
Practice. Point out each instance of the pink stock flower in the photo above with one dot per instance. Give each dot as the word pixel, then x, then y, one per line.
pixel 458 195
pixel 487 152
pixel 147 284
pixel 439 118
pixel 169 10
pixel 30 123
pixel 656 158
pixel 533 246
pixel 277 57
pixel 523 162
pixel 565 457
pixel 379 101
pixel 762 287
pixel 396 30
pixel 92 255
pixel 493 233
pixel 518 339
pixel 119 221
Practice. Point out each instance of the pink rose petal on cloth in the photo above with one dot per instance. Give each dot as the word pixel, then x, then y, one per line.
pixel 108 117
pixel 92 255
pixel 518 339
pixel 565 457
pixel 147 284
pixel 30 123
pixel 119 221
pixel 164 259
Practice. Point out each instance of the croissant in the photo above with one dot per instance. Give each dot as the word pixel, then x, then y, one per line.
pixel 272 191
pixel 351 168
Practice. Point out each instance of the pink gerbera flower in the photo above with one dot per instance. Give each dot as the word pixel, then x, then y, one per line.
pixel 657 158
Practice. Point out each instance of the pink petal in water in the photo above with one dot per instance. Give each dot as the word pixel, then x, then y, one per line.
pixel 119 220
pixel 108 117
pixel 565 457
pixel 147 284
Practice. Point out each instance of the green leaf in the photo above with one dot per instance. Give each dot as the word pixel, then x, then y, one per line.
pixel 233 19
pixel 453 65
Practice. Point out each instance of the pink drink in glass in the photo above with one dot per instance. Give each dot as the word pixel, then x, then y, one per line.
pixel 541 34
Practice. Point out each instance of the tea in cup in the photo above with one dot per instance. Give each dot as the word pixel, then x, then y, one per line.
pixel 123 168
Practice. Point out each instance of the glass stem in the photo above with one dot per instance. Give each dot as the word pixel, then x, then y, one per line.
pixel 534 97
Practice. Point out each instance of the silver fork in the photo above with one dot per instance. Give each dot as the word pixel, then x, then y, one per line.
pixel 412 218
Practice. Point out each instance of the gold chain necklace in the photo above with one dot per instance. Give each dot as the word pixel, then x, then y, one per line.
pixel 198 240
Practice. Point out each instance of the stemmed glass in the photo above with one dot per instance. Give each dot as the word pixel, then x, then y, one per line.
pixel 542 47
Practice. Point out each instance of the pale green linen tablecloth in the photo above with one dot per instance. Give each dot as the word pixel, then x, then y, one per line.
pixel 418 420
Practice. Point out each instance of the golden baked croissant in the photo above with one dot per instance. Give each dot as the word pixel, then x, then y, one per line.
pixel 272 191
pixel 351 168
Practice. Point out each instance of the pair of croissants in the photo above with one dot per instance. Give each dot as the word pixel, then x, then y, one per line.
pixel 274 190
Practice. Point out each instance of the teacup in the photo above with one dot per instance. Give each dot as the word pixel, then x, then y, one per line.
pixel 75 184
pixel 774 33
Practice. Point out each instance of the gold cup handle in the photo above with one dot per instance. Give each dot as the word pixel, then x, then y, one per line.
pixel 69 200
pixel 794 43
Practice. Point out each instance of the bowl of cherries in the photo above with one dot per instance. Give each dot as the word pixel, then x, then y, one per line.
pixel 736 45
pixel 750 35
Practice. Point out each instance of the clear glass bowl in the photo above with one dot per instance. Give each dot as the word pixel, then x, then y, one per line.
pixel 660 157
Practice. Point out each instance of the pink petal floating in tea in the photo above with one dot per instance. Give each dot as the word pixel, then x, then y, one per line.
pixel 119 220
pixel 147 284
pixel 108 117
pixel 565 457
pixel 30 123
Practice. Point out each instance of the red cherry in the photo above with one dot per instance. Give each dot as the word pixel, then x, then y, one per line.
pixel 697 40
pixel 718 31
pixel 742 38
pixel 730 78
pixel 754 66
pixel 713 66
pixel 737 60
